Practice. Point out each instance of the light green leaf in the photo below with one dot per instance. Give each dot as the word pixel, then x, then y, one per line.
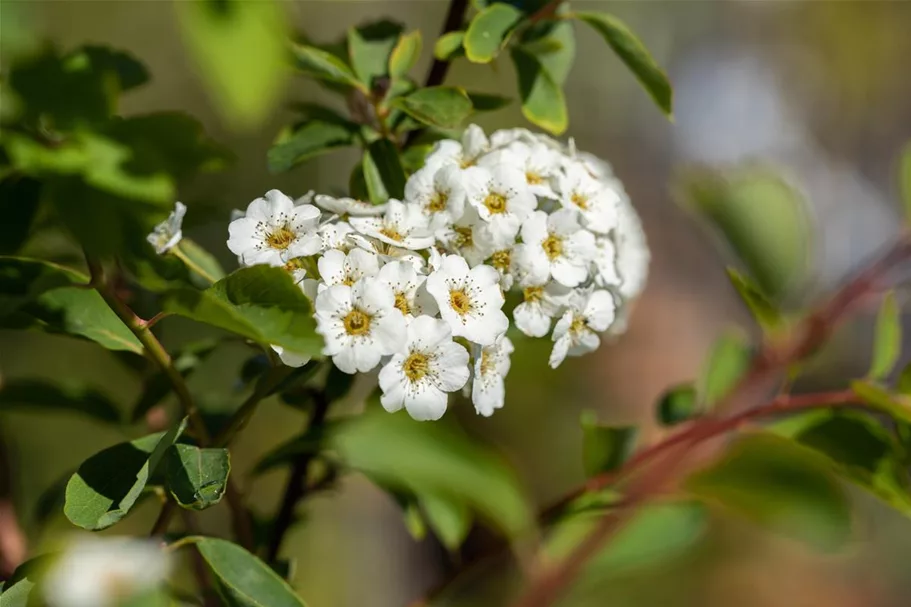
pixel 553 44
pixel 485 102
pixel 905 180
pixel 38 395
pixel 260 302
pixel 370 49
pixel 17 592
pixel 727 362
pixel 766 313
pixel 242 579
pixel 543 103
pixel 448 46
pixel 107 485
pixel 904 380
pixel 633 53
pixel 776 482
pixel 315 137
pixel 489 31
pixel 887 339
pixel 383 172
pixel 203 266
pixel 442 106
pixel 605 448
pixel 896 406
pixel 678 404
pixel 240 49
pixel 450 519
pixel 405 54
pixel 197 478
pixel 325 66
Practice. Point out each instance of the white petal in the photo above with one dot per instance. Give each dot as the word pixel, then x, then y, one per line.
pixel 488 394
pixel 558 354
pixel 600 310
pixel 452 367
pixel 531 320
pixel 425 404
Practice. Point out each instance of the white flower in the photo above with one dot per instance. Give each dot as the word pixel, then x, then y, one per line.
pixel 297 269
pixel 387 252
pixel 541 302
pixel 305 199
pixel 632 251
pixel 502 198
pixel 337 268
pixel 440 194
pixel 597 167
pixel 577 331
pixel 469 299
pixel 360 324
pixel 335 235
pixel 537 161
pixel 348 206
pixel 167 233
pixel 411 298
pixel 488 390
pixel 596 201
pixel 291 359
pixel 96 572
pixel 504 137
pixel 469 237
pixel 558 243
pixel 605 262
pixel 274 231
pixel 430 366
pixel 462 154
pixel 403 226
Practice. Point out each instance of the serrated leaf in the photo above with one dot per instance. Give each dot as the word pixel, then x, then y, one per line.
pixel 489 31
pixel 260 302
pixel 905 180
pixel 887 338
pixel 39 395
pixel 107 485
pixel 448 46
pixel 450 519
pixel 633 53
pixel 605 448
pixel 678 404
pixel 405 54
pixel 543 103
pixel 242 579
pixel 312 139
pixel 370 48
pixel 766 313
pixel 383 172
pixel 728 360
pixel 197 477
pixel 240 50
pixel 441 106
pixel 325 66
pixel 486 102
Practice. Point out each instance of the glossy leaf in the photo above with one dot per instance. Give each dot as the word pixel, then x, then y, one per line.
pixel 605 448
pixel 766 313
pixel 542 98
pixel 486 102
pixel 37 395
pixel 107 485
pixel 449 46
pixel 370 49
pixel 441 106
pixel 312 139
pixel 240 50
pixel 450 519
pixel 727 362
pixel 383 172
pixel 406 53
pixel 489 31
pixel 325 66
pixel 197 477
pixel 23 280
pixel 678 404
pixel 259 302
pixel 887 339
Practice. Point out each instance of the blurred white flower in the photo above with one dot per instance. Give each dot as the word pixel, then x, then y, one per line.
pixel 348 206
pixel 577 331
pixel 488 390
pixel 291 359
pixel 167 234
pixel 273 231
pixel 403 226
pixel 469 299
pixel 463 154
pixel 595 202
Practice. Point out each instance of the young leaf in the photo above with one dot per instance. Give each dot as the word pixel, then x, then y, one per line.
pixel 442 106
pixel 633 53
pixel 450 519
pixel 887 338
pixel 242 579
pixel 677 405
pixel 905 180
pixel 325 66
pixel 489 31
pixel 383 172
pixel 605 448
pixel 485 102
pixel 197 477
pixel 405 54
pixel 542 98
pixel 370 49
pixel 727 362
pixel 39 395
pixel 240 49
pixel 259 302
pixel 312 139
pixel 107 485
pixel 448 46
pixel 766 313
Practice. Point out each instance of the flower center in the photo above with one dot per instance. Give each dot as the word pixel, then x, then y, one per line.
pixel 391 234
pixel 465 162
pixel 495 203
pixel 437 202
pixel 459 301
pixel 553 246
pixel 463 239
pixel 401 302
pixel 501 260
pixel 533 178
pixel 532 294
pixel 416 366
pixel 579 200
pixel 281 238
pixel 578 325
pixel 357 322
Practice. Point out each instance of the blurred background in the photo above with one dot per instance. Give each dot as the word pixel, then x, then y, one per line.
pixel 817 90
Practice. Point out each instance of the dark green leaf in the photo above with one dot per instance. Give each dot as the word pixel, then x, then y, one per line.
pixel 448 46
pixel 887 339
pixel 414 156
pixel 197 478
pixel 766 313
pixel 357 183
pixel 442 106
pixel 313 138
pixel 130 72
pixel 485 102
pixel 325 66
pixel 19 198
pixel 727 362
pixel 261 303
pixel 243 579
pixel 107 484
pixel 605 448
pixel 370 48
pixel 677 405
pixel 905 180
pixel 383 172
pixel 38 395
pixel 23 280
pixel 774 481
pixel 633 53
pixel 543 103
pixel 450 519
pixel 158 385
pixel 405 54
pixel 240 50
pixel 489 31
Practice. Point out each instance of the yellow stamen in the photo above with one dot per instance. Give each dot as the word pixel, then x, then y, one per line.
pixel 416 366
pixel 495 203
pixel 553 246
pixel 460 302
pixel 280 239
pixel 357 322
pixel 501 260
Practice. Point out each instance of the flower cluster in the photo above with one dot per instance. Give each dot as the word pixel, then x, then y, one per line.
pixel 418 286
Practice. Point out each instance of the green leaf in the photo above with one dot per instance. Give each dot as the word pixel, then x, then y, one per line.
pixel 23 280
pixel 766 313
pixel 442 106
pixel 414 156
pixel 448 46
pixel 243 580
pixel 405 54
pixel 887 339
pixel 19 201
pixel 553 44
pixel 605 448
pixel 728 360
pixel 904 380
pixel 633 53
pixel 201 264
pixel 678 404
pixel 370 49
pixel 430 460
pixel 197 478
pixel 312 139
pixel 240 50
pixel 260 302
pixel 776 482
pixel 17 592
pixel 485 102
pixel 543 103
pixel 905 180
pixel 107 485
pixel 762 219
pixel 130 72
pixel 383 172
pixel 489 31
pixel 357 183
pixel 450 519
pixel 896 406
pixel 39 395
pixel 317 63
